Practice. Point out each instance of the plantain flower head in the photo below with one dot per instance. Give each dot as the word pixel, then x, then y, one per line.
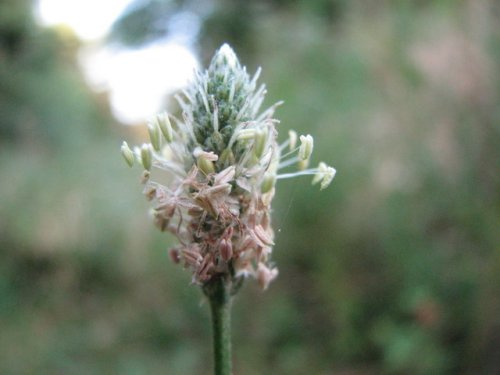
pixel 218 165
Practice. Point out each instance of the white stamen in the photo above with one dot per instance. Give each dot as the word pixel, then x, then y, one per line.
pixel 127 154
pixel 322 168
pixel 328 177
pixel 165 126
pixel 155 134
pixel 292 136
pixel 295 174
pixel 284 145
pixel 146 156
pixel 288 162
pixel 306 146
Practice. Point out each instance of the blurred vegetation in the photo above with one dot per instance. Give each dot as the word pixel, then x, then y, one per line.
pixel 395 269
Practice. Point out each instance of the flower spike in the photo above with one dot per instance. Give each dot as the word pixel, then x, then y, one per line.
pixel 223 162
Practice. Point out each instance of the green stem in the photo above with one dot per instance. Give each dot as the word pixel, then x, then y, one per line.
pixel 218 293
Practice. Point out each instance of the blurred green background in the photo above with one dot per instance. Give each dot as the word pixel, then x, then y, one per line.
pixel 395 269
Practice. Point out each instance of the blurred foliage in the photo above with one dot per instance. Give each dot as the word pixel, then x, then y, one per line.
pixel 395 269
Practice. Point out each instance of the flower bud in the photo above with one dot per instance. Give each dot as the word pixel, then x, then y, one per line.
pixel 264 237
pixel 127 154
pixel 204 160
pixel 227 157
pixel 226 249
pixel 306 146
pixel 206 166
pixel 225 56
pixel 146 156
pixel 208 155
